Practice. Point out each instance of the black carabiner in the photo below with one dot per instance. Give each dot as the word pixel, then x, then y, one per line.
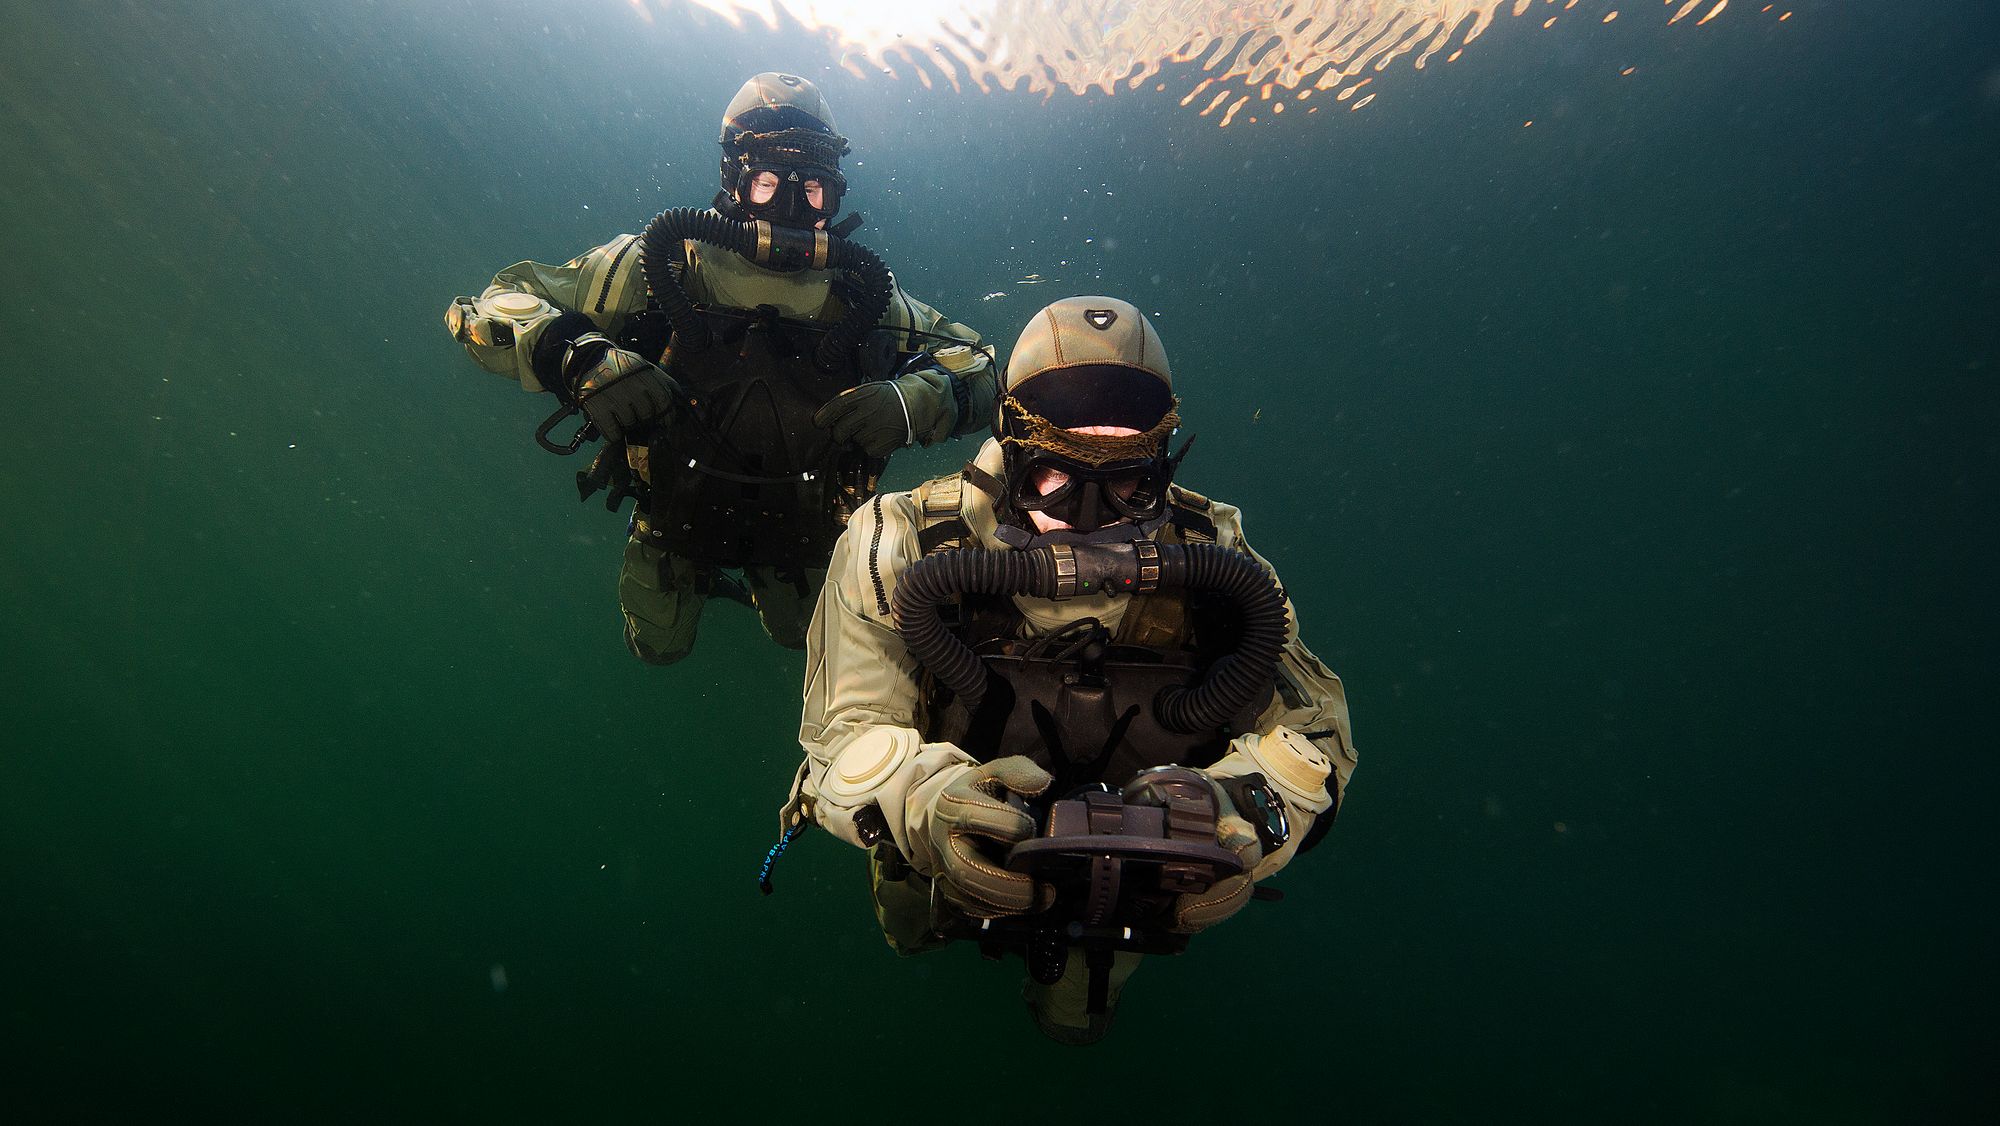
pixel 583 434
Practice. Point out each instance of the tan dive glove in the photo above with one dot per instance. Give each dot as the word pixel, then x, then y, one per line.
pixel 885 415
pixel 971 826
pixel 1198 911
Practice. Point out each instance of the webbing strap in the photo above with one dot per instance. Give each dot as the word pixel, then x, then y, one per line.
pixel 948 533
pixel 943 498
pixel 983 481
pixel 942 526
pixel 1194 526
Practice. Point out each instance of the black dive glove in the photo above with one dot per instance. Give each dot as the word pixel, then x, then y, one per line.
pixel 883 416
pixel 618 389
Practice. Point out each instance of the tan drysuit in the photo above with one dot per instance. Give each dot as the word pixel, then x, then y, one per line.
pixel 861 681
pixel 661 595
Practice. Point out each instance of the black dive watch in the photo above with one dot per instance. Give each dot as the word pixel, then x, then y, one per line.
pixel 1263 808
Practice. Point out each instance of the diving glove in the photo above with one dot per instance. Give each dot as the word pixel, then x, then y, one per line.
pixel 1198 911
pixel 885 415
pixel 972 823
pixel 618 389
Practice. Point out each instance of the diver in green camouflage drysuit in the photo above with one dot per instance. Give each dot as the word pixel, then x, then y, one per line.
pixel 589 332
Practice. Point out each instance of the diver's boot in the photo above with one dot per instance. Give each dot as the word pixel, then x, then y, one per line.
pixel 1061 1010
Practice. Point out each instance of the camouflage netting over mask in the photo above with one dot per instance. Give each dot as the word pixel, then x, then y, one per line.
pixel 1095 450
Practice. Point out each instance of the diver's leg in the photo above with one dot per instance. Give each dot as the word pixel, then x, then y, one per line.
pixel 661 598
pixel 1061 1010
pixel 785 597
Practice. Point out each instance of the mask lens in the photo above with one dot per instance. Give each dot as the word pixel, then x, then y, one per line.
pixel 1087 499
pixel 789 195
pixel 1138 497
pixel 1044 485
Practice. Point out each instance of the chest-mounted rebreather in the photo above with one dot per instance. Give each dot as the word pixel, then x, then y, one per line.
pixel 1235 681
pixel 766 244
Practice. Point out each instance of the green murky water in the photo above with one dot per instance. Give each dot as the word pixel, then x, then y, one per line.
pixel 1637 470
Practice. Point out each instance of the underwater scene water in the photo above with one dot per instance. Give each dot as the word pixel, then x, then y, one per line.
pixel 1616 397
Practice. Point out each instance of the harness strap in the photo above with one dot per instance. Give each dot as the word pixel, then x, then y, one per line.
pixel 1188 513
pixel 983 481
pixel 748 479
pixel 943 498
pixel 942 536
pixel 939 505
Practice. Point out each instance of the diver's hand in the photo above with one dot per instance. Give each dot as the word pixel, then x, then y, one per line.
pixel 883 416
pixel 971 825
pixel 1198 911
pixel 618 389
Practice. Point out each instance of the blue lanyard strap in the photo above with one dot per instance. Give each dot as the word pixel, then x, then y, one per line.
pixel 771 857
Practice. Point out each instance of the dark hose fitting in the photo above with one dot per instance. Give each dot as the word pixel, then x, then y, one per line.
pixel 780 248
pixel 1234 682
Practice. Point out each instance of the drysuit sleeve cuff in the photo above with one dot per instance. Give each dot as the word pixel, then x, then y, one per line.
pixel 973 391
pixel 1298 770
pixel 550 346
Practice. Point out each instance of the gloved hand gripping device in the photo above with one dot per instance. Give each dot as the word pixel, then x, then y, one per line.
pixel 1118 859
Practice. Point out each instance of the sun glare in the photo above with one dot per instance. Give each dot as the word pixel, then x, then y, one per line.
pixel 1244 58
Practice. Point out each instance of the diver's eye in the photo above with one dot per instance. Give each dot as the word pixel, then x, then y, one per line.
pixel 1047 479
pixel 763 186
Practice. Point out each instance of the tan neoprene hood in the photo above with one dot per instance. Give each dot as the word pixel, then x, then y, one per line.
pixel 1087 331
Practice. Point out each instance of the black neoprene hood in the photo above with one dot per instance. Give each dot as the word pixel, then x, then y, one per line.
pixel 1098 395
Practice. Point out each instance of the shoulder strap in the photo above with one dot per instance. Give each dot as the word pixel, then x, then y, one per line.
pixel 983 481
pixel 938 506
pixel 1188 512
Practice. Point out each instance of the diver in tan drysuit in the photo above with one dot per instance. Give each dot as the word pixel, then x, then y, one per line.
pixel 749 367
pixel 891 764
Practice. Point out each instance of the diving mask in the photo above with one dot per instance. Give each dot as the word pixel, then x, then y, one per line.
pixel 1084 497
pixel 797 158
pixel 1083 480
